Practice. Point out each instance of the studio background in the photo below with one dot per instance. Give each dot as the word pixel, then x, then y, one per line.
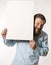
pixel 7 53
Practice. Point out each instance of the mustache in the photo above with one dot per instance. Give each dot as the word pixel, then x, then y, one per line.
pixel 37 28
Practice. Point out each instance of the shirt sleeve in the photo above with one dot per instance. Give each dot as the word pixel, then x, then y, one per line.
pixel 9 42
pixel 44 49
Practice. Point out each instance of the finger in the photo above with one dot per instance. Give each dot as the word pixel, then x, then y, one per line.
pixel 31 40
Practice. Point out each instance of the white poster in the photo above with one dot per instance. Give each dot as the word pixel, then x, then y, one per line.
pixel 20 19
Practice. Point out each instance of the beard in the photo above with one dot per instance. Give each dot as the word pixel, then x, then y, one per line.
pixel 37 31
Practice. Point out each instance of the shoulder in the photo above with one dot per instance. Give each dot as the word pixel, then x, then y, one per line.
pixel 43 35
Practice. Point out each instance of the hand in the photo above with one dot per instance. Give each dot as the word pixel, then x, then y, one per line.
pixel 32 44
pixel 4 32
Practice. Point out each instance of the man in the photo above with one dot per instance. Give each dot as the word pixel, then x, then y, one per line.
pixel 27 53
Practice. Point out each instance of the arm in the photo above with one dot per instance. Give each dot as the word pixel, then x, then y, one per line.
pixel 44 49
pixel 9 42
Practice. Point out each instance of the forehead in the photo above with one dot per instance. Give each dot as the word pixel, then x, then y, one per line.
pixel 39 20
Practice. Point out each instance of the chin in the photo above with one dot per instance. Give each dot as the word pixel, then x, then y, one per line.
pixel 37 32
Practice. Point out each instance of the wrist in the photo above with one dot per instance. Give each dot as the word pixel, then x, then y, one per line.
pixel 33 48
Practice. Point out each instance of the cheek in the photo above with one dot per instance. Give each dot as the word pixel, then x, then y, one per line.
pixel 35 25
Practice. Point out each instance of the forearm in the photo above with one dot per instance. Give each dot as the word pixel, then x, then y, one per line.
pixel 43 51
pixel 9 42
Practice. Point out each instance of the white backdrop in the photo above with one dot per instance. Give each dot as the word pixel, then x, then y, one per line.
pixel 7 53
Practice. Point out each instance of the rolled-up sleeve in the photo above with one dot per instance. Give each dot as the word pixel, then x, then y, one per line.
pixel 9 42
pixel 44 49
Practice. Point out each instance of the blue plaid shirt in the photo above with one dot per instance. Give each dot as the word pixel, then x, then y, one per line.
pixel 24 53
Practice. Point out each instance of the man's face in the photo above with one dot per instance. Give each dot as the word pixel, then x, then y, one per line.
pixel 38 25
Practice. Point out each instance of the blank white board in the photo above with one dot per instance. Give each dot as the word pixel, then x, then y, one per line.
pixel 20 19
